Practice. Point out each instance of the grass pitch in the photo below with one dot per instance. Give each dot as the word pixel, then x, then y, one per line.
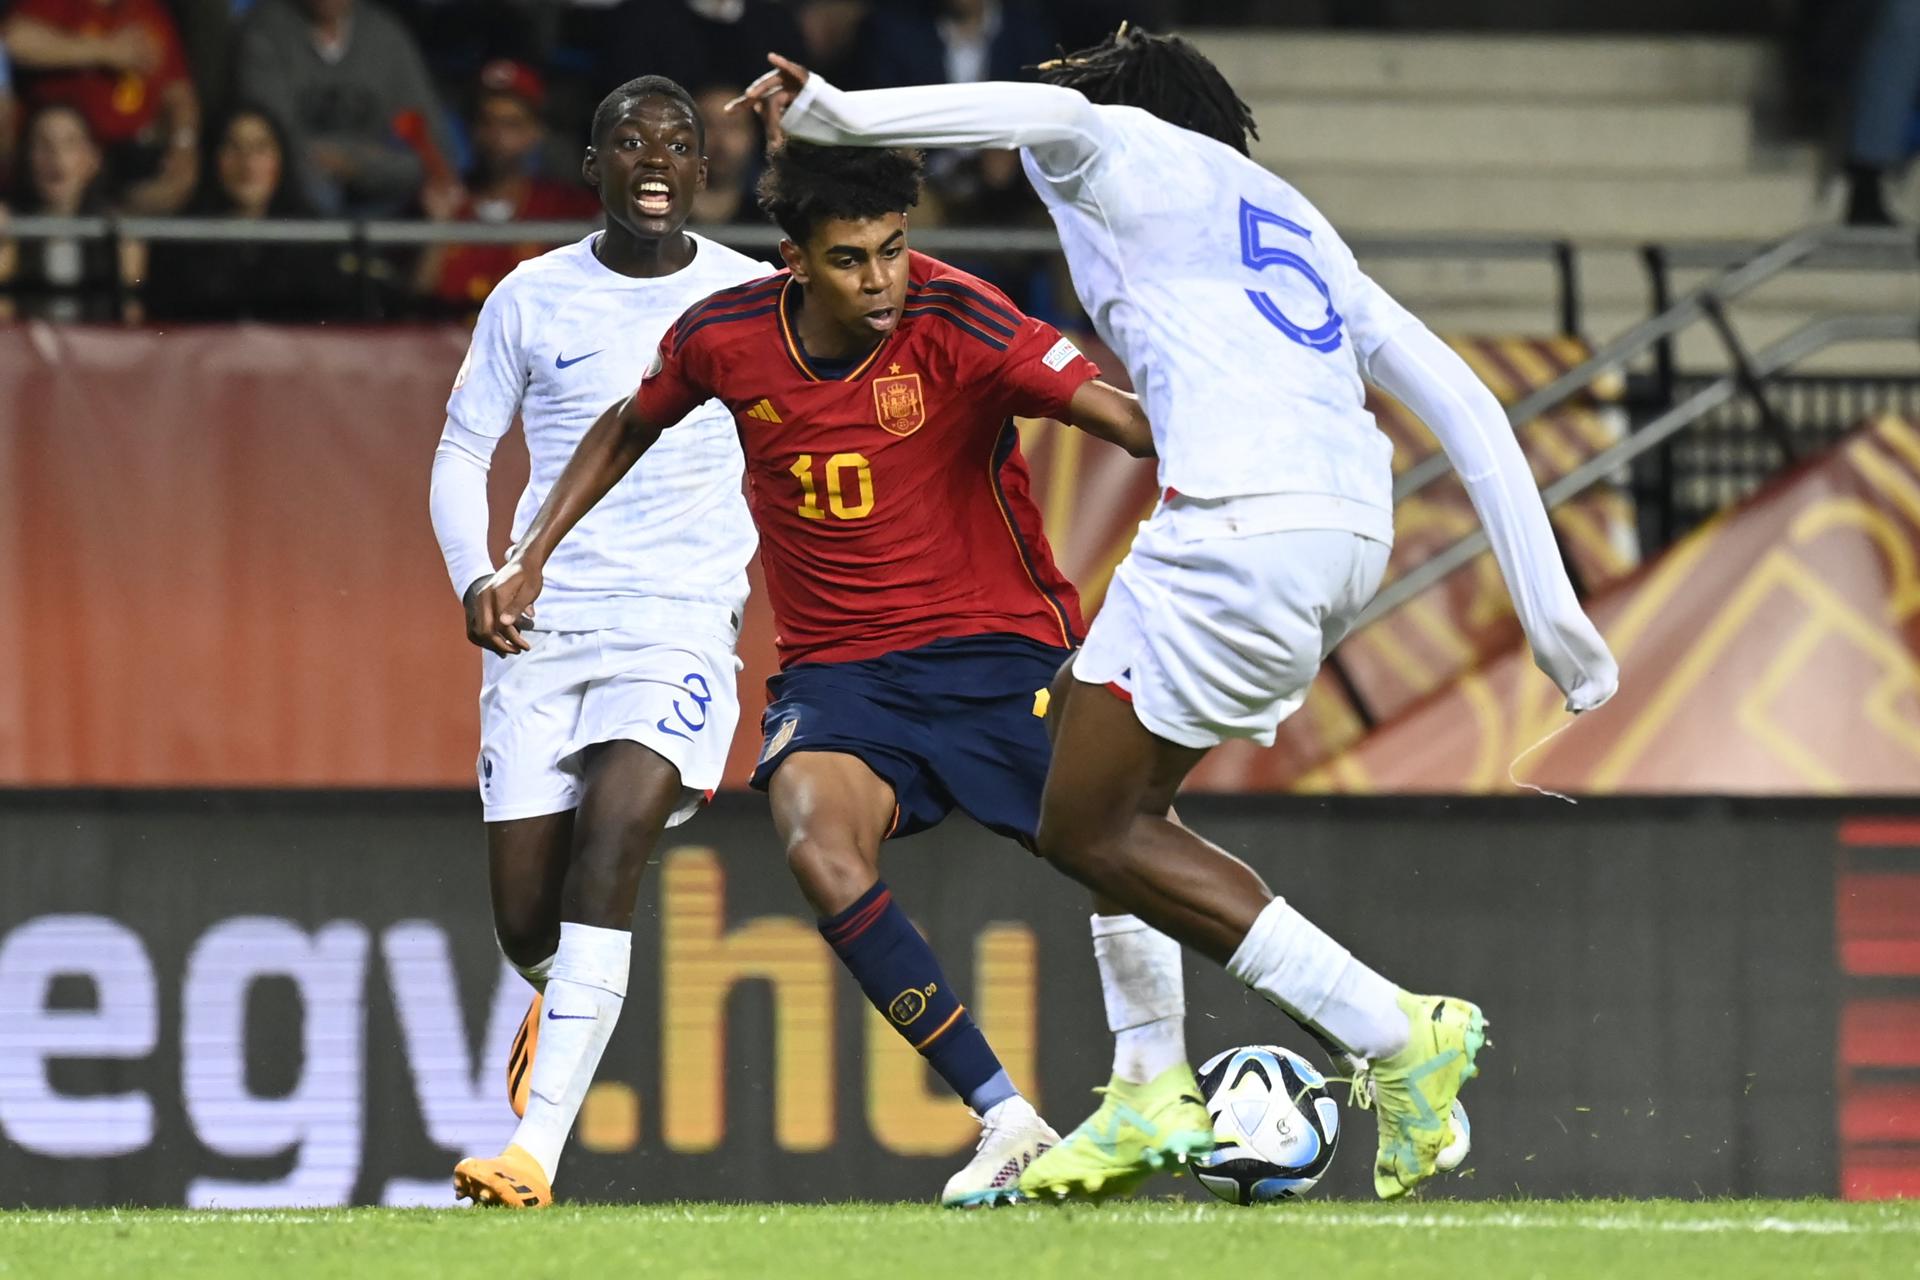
pixel 1560 1240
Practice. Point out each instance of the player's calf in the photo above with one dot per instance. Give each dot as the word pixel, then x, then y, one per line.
pixel 903 979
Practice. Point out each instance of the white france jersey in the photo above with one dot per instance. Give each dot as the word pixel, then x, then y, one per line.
pixel 558 341
pixel 1239 312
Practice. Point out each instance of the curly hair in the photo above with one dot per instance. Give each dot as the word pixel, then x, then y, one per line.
pixel 614 106
pixel 806 184
pixel 1163 75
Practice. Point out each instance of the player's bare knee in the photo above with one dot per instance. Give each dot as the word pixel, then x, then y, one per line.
pixel 831 873
pixel 1085 850
pixel 526 940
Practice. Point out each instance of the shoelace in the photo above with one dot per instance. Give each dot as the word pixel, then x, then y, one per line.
pixel 1359 1085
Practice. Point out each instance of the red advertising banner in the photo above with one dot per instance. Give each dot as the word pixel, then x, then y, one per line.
pixel 1775 651
pixel 215 546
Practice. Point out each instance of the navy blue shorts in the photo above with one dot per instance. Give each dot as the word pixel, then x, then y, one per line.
pixel 956 724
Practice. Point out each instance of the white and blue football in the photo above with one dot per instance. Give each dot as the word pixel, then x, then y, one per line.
pixel 1275 1127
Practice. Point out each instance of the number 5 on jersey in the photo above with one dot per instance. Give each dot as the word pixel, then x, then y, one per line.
pixel 846 500
pixel 1322 334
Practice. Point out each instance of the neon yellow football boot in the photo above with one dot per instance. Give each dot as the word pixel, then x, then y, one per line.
pixel 1412 1094
pixel 1139 1129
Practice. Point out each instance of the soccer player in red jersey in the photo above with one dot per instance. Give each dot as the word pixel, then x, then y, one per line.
pixel 920 615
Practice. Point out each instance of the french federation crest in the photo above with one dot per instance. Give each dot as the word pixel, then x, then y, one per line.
pixel 898 403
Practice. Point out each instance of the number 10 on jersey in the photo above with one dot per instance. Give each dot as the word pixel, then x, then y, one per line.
pixel 849 484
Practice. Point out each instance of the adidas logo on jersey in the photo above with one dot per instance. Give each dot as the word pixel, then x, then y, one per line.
pixel 764 411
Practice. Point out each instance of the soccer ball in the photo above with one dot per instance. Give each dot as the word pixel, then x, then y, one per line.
pixel 1274 1125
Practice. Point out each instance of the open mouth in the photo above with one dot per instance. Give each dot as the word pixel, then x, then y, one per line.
pixel 883 318
pixel 653 199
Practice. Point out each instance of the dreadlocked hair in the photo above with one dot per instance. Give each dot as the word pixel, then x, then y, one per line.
pixel 806 184
pixel 1163 75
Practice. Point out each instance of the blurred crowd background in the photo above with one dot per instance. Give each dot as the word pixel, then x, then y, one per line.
pixel 455 110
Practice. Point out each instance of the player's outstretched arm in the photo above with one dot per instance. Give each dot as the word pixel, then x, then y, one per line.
pixel 1059 124
pixel 615 441
pixel 1113 415
pixel 1430 378
pixel 457 501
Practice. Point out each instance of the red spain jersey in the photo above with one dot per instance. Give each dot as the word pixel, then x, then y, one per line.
pixel 892 498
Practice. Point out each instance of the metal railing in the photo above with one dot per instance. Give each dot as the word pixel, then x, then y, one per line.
pixel 1844 248
pixel 369 235
pixel 1827 247
pixel 1732 451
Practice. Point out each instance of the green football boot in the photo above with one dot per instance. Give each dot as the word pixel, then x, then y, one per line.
pixel 1138 1130
pixel 1413 1093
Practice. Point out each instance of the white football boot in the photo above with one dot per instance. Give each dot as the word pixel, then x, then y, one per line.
pixel 1012 1136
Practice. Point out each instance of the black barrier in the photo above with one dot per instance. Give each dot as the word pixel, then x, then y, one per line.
pixel 295 999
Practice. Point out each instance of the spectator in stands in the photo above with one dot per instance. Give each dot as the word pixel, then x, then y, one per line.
pixel 954 42
pixel 65 279
pixel 831 30
pixel 1080 23
pixel 1881 123
pixel 348 86
pixel 506 185
pixel 733 159
pixel 699 41
pixel 960 42
pixel 119 64
pixel 9 119
pixel 247 177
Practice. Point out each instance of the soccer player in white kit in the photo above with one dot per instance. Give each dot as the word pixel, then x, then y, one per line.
pixel 607 718
pixel 1248 329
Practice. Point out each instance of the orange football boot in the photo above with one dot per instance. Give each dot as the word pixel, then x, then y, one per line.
pixel 510 1180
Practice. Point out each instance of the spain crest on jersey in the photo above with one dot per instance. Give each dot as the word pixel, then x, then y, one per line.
pixel 897 401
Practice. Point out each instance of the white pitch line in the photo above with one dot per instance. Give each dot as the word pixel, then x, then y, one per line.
pixel 1530 1222
pixel 1198 1214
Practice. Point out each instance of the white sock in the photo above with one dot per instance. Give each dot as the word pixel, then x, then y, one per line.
pixel 535 973
pixel 585 990
pixel 1014 1110
pixel 1290 961
pixel 1146 995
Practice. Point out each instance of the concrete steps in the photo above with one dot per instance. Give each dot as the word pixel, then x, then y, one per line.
pixel 1558 68
pixel 1608 143
pixel 1698 349
pixel 1569 137
pixel 1615 279
pixel 1610 209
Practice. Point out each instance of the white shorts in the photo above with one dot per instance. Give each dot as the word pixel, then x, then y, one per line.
pixel 671 688
pixel 1216 622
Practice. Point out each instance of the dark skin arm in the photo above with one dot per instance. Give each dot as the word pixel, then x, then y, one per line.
pixel 500 605
pixel 1112 415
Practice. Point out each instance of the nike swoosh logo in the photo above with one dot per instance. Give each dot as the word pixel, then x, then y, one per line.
pixel 561 362
pixel 571 1017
